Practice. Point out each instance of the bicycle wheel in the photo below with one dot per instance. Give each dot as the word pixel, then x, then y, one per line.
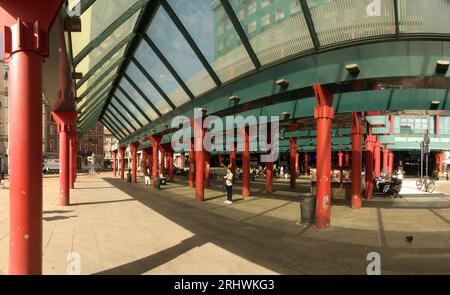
pixel 431 186
pixel 419 184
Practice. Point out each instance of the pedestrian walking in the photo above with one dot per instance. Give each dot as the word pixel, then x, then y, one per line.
pixel 229 184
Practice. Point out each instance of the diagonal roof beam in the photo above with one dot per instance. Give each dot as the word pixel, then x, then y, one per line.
pixel 153 82
pixel 142 94
pixel 123 116
pixel 310 24
pixel 108 113
pixel 173 16
pixel 168 66
pixel 132 102
pixel 146 16
pixel 108 31
pixel 241 33
pixel 397 17
pixel 85 102
pixel 101 78
pixel 125 108
pixel 111 129
pixel 112 123
pixel 105 59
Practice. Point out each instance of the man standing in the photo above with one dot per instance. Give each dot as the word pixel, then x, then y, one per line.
pixel 229 184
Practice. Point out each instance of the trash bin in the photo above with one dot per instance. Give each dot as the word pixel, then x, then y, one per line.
pixel 129 177
pixel 158 183
pixel 308 210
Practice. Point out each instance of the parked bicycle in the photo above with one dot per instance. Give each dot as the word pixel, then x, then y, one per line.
pixel 426 184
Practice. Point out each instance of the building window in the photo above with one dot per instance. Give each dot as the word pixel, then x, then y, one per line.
pixel 265 3
pixel 52 145
pixel 52 130
pixel 295 7
pixel 220 46
pixel 241 13
pixel 252 7
pixel 251 28
pixel 265 20
pixel 220 28
pixel 228 41
pixel 414 125
pixel 279 13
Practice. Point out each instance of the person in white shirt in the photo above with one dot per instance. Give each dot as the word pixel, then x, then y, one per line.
pixel 229 184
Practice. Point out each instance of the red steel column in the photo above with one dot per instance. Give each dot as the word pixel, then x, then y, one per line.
pixel 391 123
pixel 305 162
pixel 297 164
pixel 292 159
pixel 71 160
pixel 377 156
pixel 369 166
pixel 24 29
pixel 199 134
pixel 114 163
pixel 64 121
pixel 183 160
pixel 134 158
pixel 75 168
pixel 246 163
pixel 122 162
pixel 233 159
pixel 155 139
pixel 220 160
pixel 269 165
pixel 150 160
pixel 170 166
pixel 385 159
pixel 144 160
pixel 391 163
pixel 357 131
pixel 347 159
pixel 323 114
pixel 207 168
pixel 340 158
pixel 441 162
pixel 436 124
pixel 163 160
pixel 191 160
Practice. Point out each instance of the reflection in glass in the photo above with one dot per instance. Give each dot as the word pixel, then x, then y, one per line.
pixel 156 69
pixel 130 120
pixel 338 21
pixel 419 16
pixel 100 15
pixel 137 98
pixel 204 20
pixel 172 44
pixel 119 95
pixel 275 29
pixel 99 52
pixel 147 88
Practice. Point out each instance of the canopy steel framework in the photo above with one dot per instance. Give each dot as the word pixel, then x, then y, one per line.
pixel 143 59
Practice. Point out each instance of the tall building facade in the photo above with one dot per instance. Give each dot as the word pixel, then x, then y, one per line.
pixel 109 141
pixel 3 116
pixel 91 143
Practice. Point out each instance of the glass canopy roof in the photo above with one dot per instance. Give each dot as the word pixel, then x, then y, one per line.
pixel 184 49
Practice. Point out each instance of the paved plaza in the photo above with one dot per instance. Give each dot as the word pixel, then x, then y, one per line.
pixel 120 228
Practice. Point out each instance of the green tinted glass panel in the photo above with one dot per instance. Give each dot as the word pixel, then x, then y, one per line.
pixel 147 88
pixel 275 29
pixel 156 69
pixel 204 21
pixel 338 21
pixel 172 44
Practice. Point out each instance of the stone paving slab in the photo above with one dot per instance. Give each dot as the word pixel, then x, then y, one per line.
pixel 123 228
